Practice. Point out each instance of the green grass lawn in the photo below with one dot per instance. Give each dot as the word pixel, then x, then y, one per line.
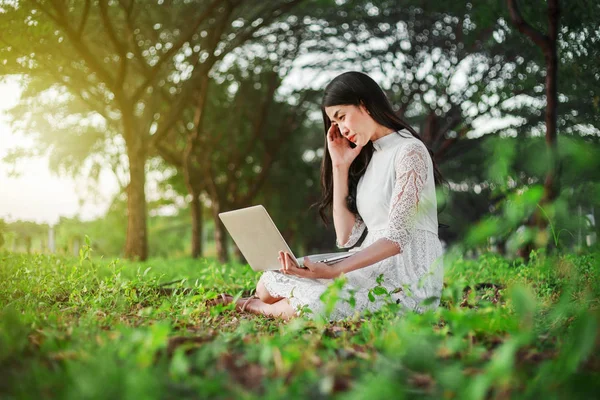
pixel 89 329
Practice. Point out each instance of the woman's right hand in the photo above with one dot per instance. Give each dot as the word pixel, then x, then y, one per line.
pixel 342 154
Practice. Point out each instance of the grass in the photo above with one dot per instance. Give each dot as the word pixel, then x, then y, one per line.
pixel 88 328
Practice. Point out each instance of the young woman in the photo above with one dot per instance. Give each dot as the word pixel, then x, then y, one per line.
pixel 378 177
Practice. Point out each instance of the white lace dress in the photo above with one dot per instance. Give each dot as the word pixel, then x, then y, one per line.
pixel 396 200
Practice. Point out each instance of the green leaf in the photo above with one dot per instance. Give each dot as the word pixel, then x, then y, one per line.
pixel 380 290
pixel 524 304
pixel 371 297
pixel 429 301
pixel 582 341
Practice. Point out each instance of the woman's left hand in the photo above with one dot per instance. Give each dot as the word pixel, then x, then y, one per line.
pixel 319 270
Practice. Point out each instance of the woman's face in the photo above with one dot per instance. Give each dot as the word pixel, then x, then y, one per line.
pixel 354 122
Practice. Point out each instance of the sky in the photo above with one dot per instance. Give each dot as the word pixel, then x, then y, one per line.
pixel 36 194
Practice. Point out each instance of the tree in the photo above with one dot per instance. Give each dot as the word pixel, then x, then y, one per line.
pixel 420 54
pixel 569 49
pixel 443 67
pixel 548 44
pixel 241 139
pixel 185 143
pixel 129 63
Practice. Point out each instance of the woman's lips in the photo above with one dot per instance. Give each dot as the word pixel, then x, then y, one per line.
pixel 352 139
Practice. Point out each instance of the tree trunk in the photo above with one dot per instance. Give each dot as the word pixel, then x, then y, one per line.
pixel 550 54
pixel 136 246
pixel 190 168
pixel 220 236
pixel 196 209
pixel 551 189
pixel 548 44
pixel 429 126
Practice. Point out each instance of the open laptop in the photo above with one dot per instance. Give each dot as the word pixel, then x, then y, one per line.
pixel 259 240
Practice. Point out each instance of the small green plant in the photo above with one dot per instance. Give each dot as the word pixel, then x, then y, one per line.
pixel 333 294
pixel 555 235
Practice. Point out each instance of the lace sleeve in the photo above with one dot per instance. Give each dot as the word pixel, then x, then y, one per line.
pixel 357 230
pixel 411 174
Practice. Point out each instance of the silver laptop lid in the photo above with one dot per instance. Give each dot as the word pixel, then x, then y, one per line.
pixel 257 237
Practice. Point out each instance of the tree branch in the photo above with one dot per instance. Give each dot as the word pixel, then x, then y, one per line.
pixel 199 73
pixel 269 158
pixel 538 38
pixel 127 7
pixel 288 125
pixel 84 17
pixel 120 47
pixel 258 128
pixel 131 36
pixel 75 89
pixel 169 155
pixel 242 37
pixel 441 151
pixel 173 50
pixel 62 22
pixel 46 11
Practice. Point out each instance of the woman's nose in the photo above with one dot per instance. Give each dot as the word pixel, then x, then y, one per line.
pixel 343 130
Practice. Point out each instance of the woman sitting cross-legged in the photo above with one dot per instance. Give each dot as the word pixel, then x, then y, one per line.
pixel 377 176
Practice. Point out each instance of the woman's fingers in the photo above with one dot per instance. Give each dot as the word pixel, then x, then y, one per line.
pixel 330 133
pixel 282 262
pixel 295 267
pixel 291 262
pixel 289 265
pixel 333 132
pixel 308 264
pixel 286 267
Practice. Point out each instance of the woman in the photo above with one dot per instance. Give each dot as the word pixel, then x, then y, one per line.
pixel 378 177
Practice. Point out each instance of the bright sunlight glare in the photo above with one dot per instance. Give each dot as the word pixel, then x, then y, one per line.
pixel 34 193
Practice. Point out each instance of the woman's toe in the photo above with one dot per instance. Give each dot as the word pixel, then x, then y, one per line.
pixel 222 298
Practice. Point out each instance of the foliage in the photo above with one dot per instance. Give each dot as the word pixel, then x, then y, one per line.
pixel 90 328
pixel 453 69
pixel 2 232
pixel 115 78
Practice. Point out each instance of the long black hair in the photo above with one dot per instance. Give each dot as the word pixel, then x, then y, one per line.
pixel 356 88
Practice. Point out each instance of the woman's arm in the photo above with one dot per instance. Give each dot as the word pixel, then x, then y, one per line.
pixel 343 220
pixel 411 173
pixel 347 226
pixel 380 250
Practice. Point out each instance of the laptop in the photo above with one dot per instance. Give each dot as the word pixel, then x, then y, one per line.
pixel 259 240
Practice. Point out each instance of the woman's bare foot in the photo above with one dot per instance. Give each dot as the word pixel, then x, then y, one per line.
pixel 255 305
pixel 279 309
pixel 224 298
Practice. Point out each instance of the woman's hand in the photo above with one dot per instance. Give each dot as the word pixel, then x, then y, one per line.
pixel 342 154
pixel 289 266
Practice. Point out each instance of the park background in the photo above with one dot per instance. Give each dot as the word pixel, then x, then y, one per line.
pixel 243 127
pixel 127 126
